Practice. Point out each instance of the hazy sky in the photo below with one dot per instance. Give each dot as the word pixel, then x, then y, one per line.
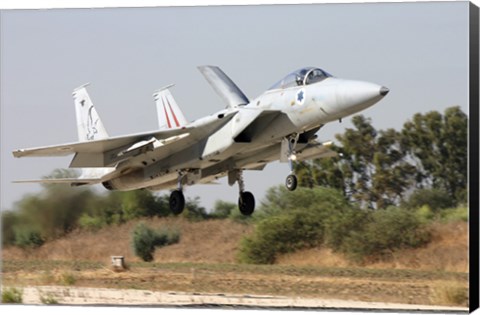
pixel 418 50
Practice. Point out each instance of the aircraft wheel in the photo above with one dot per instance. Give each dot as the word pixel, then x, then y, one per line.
pixel 246 203
pixel 291 182
pixel 177 202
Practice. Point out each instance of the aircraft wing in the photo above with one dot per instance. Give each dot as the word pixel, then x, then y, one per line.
pixel 107 152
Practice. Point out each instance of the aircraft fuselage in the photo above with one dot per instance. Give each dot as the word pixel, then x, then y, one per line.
pixel 304 107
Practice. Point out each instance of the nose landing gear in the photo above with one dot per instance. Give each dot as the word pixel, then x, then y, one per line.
pixel 291 180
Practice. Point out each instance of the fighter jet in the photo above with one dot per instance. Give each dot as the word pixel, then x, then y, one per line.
pixel 280 124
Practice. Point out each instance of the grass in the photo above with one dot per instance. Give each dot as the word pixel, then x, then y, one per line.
pixel 48 299
pixel 450 293
pixel 35 265
pixel 346 272
pixel 12 295
pixel 68 279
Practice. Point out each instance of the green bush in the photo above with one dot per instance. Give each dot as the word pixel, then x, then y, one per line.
pixel 424 214
pixel 386 230
pixel 48 299
pixel 68 279
pixel 281 234
pixel 290 221
pixel 435 199
pixel 320 200
pixel 145 240
pixel 320 216
pixel 91 223
pixel 341 224
pixel 455 214
pixel 28 237
pixel 12 295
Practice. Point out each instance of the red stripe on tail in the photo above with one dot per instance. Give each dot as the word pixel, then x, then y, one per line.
pixel 166 115
pixel 173 113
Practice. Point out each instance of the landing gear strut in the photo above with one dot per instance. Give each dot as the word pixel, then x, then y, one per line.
pixel 177 199
pixel 291 181
pixel 246 200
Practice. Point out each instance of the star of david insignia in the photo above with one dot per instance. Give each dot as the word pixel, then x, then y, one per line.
pixel 300 96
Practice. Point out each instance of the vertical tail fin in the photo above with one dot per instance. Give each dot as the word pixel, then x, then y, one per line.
pixel 89 125
pixel 169 114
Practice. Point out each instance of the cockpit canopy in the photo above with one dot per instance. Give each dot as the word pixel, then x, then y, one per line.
pixel 304 76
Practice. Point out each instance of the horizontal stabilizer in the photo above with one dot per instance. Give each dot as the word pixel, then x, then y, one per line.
pixel 224 86
pixel 95 146
pixel 71 181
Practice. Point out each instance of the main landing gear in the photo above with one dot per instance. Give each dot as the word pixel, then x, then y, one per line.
pixel 246 200
pixel 177 199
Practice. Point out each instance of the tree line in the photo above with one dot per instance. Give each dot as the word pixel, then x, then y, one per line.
pixel 379 168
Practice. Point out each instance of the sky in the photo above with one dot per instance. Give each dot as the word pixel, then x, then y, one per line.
pixel 418 50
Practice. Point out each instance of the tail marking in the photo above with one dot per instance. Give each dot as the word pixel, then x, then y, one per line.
pixel 168 111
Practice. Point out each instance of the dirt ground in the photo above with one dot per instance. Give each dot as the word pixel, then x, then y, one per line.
pixel 358 284
pixel 204 262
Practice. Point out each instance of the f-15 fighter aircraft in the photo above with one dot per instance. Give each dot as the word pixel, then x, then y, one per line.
pixel 280 124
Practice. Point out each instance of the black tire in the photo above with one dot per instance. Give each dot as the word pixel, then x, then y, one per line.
pixel 291 182
pixel 177 202
pixel 246 203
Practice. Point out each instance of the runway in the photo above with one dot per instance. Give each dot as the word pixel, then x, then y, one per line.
pixel 131 297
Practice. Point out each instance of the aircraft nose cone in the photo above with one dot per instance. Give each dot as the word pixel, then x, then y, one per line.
pixel 384 91
pixel 354 96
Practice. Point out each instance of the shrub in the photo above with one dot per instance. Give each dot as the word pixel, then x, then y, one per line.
pixel 145 240
pixel 48 299
pixel 166 237
pixel 450 293
pixel 281 234
pixel 340 225
pixel 320 200
pixel 290 221
pixel 12 295
pixel 455 214
pixel 435 199
pixel 68 279
pixel 424 214
pixel 91 223
pixel 385 231
pixel 28 237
